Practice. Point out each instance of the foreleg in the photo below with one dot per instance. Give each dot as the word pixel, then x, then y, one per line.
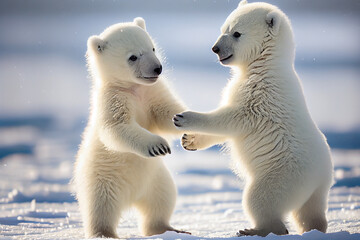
pixel 135 139
pixel 193 142
pixel 222 122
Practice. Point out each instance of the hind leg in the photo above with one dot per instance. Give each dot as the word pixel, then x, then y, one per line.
pixel 157 204
pixel 101 206
pixel 265 207
pixel 312 215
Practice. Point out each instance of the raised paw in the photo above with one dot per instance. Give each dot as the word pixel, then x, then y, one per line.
pixel 158 148
pixel 188 142
pixel 178 120
pixel 187 120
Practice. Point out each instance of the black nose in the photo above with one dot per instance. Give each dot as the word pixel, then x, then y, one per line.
pixel 158 70
pixel 216 49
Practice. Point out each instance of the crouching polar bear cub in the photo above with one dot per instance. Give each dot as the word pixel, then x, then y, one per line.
pixel 284 155
pixel 118 162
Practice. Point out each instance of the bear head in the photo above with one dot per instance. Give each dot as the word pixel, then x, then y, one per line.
pixel 247 29
pixel 124 52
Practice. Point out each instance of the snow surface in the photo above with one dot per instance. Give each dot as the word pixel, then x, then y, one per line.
pixel 44 94
pixel 36 200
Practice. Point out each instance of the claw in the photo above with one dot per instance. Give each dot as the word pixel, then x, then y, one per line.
pixel 151 153
pixel 180 231
pixel 179 115
pixel 163 148
pixel 155 151
pixel 161 151
pixel 191 149
pixel 242 233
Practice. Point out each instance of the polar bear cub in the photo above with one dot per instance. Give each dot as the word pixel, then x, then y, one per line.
pixel 285 157
pixel 118 164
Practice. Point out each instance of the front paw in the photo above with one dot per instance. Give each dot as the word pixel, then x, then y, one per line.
pixel 188 142
pixel 186 120
pixel 157 148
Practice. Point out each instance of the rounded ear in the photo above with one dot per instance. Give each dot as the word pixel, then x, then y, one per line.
pixel 242 3
pixel 273 20
pixel 140 22
pixel 96 44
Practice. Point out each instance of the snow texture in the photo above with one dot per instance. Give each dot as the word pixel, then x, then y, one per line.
pixel 37 203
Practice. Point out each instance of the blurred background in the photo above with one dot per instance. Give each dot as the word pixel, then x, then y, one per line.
pixel 44 95
pixel 44 80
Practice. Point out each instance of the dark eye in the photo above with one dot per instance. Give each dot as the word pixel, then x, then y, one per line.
pixel 153 49
pixel 133 58
pixel 237 34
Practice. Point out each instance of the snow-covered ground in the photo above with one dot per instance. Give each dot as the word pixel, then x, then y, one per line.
pixel 44 103
pixel 36 200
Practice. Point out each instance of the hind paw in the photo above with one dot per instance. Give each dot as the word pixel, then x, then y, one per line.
pixel 258 232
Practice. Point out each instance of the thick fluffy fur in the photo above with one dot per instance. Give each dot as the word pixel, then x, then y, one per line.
pixel 285 157
pixel 118 164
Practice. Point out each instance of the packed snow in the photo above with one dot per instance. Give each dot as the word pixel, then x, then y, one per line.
pixel 44 93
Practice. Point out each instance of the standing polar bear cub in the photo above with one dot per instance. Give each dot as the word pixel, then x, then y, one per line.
pixel 118 162
pixel 284 155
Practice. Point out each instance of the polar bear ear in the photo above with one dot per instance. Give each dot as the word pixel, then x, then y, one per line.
pixel 96 44
pixel 273 20
pixel 140 22
pixel 242 3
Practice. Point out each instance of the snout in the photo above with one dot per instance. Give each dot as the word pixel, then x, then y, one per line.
pixel 153 72
pixel 223 48
pixel 224 53
pixel 215 49
pixel 158 70
pixel 150 67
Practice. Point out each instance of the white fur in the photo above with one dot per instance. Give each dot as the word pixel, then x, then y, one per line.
pixel 117 165
pixel 275 143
